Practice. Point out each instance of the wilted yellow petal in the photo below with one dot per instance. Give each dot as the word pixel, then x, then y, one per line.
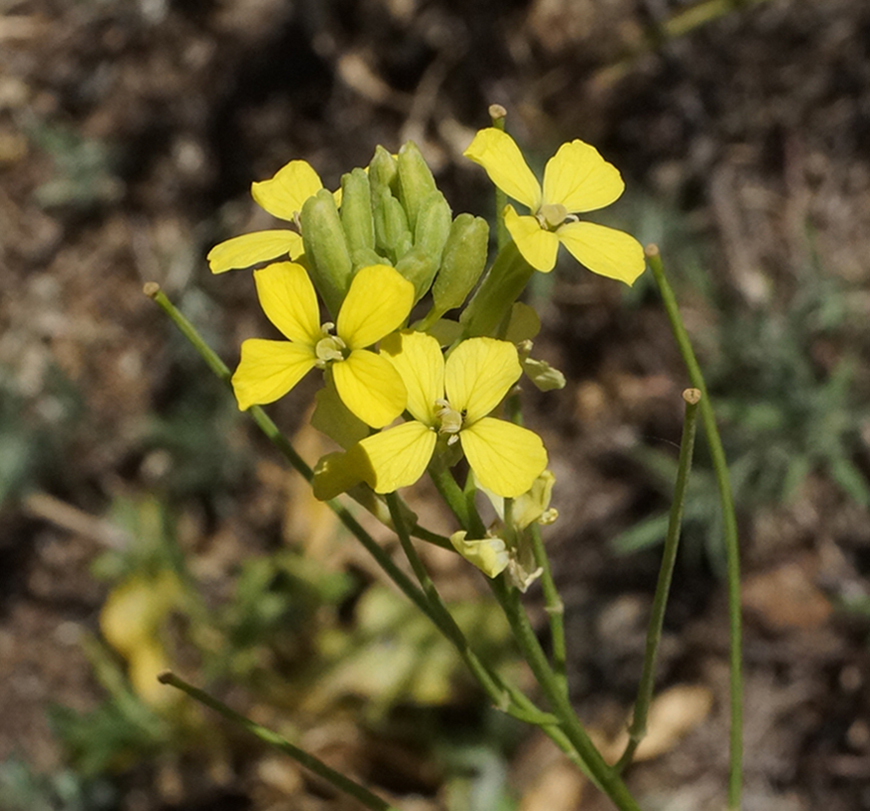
pixel 419 362
pixel 370 387
pixel 398 457
pixel 490 555
pixel 250 249
pixel 603 250
pixel 537 245
pixel 478 374
pixel 287 297
pixel 269 369
pixel 505 457
pixel 499 155
pixel 578 178
pixel 379 301
pixel 284 193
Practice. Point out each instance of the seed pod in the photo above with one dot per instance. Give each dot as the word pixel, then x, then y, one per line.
pixel 326 249
pixel 356 211
pixel 433 226
pixel 418 267
pixel 462 262
pixel 415 181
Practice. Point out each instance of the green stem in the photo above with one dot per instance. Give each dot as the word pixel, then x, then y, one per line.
pixel 313 764
pixel 729 520
pixel 604 775
pixel 553 604
pixel 524 708
pixel 498 114
pixel 554 607
pixel 502 696
pixel 637 730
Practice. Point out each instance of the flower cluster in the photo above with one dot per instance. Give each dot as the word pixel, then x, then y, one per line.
pixel 403 395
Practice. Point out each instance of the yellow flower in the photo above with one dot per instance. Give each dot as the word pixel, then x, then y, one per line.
pixel 576 179
pixel 452 400
pixel 377 303
pixel 282 196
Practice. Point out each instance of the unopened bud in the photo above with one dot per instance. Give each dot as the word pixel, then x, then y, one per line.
pixel 356 211
pixel 433 226
pixel 326 249
pixel 462 262
pixel 415 181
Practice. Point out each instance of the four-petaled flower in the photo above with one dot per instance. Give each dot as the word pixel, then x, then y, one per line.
pixel 452 400
pixel 282 196
pixel 576 180
pixel 378 302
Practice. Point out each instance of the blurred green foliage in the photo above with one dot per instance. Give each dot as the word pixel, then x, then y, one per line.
pixel 35 431
pixel 22 790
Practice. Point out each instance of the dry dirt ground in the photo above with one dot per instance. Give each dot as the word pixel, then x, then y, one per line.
pixel 129 132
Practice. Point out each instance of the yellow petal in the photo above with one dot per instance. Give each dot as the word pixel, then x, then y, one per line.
pixel 603 250
pixel 490 555
pixel 284 193
pixel 399 456
pixel 578 178
pixel 269 369
pixel 478 374
pixel 287 297
pixel 538 246
pixel 419 362
pixel 249 249
pixel 379 301
pixel 505 457
pixel 499 155
pixel 370 387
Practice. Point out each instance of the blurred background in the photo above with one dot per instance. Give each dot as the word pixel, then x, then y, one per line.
pixel 144 523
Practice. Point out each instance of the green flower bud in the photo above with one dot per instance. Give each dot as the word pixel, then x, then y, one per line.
pixel 365 257
pixel 418 267
pixel 383 171
pixel 462 262
pixel 415 181
pixel 392 235
pixel 433 226
pixel 326 249
pixel 356 211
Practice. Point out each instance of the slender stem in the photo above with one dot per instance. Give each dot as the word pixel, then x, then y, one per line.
pixel 554 607
pixel 729 520
pixel 501 695
pixel 604 775
pixel 498 114
pixel 553 604
pixel 637 730
pixel 313 764
pixel 523 707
